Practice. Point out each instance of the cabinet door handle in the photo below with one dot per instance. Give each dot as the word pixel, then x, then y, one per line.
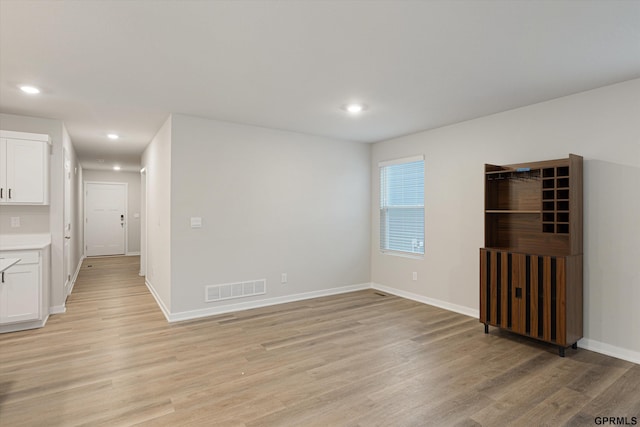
pixel 9 193
pixel 1 192
pixel 3 277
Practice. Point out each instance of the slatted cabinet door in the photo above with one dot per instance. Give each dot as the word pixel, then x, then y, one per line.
pixel 518 294
pixel 502 295
pixel 526 294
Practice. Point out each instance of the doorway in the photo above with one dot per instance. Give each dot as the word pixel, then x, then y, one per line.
pixel 143 217
pixel 67 224
pixel 105 224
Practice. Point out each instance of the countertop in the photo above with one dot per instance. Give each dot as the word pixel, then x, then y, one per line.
pixel 7 262
pixel 18 242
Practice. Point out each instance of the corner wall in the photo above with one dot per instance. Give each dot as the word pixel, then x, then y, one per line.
pixel 76 214
pixel 271 202
pixel 601 125
pixel 78 229
pixel 156 159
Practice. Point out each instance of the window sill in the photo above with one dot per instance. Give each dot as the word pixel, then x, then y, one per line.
pixel 403 254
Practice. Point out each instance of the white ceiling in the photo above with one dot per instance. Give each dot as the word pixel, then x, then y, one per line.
pixel 124 66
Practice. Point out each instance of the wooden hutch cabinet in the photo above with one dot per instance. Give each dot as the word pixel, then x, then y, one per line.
pixel 531 265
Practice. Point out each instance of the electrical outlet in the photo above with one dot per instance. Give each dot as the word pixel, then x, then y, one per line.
pixel 415 275
pixel 15 221
pixel 284 278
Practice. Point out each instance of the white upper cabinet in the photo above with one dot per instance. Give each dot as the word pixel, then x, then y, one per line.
pixel 24 168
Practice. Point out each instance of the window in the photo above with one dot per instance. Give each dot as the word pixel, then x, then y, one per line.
pixel 402 205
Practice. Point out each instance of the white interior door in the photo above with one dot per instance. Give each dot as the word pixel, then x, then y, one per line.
pixel 105 218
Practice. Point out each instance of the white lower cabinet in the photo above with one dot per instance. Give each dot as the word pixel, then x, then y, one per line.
pixel 21 288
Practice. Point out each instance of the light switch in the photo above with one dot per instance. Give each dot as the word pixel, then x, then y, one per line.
pixel 196 222
pixel 15 221
pixel 136 215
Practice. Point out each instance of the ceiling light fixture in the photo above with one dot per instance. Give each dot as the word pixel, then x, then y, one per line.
pixel 113 136
pixel 31 90
pixel 354 108
pixel 116 168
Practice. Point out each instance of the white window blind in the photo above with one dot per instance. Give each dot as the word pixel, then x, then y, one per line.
pixel 402 205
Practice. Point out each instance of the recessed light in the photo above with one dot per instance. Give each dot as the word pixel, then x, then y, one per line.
pixel 113 136
pixel 31 90
pixel 116 168
pixel 354 108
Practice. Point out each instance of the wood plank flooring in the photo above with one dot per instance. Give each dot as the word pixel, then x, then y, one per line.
pixel 357 359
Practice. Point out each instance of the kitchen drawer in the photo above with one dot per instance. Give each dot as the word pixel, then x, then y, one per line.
pixel 26 257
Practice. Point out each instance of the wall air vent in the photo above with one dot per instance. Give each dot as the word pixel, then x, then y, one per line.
pixel 235 290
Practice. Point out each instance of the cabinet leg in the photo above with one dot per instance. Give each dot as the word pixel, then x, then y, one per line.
pixel 574 346
pixel 561 351
pixel 486 328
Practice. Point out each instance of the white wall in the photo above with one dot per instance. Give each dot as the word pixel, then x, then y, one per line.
pixel 271 202
pixel 143 222
pixel 48 219
pixel 76 215
pixel 133 201
pixel 77 203
pixel 33 219
pixel 603 126
pixel 156 159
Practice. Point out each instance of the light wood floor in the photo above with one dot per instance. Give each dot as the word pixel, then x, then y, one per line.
pixel 358 359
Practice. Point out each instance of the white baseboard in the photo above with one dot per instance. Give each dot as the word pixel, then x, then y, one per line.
pixel 75 275
pixel 159 301
pixel 229 308
pixel 57 309
pixel 23 326
pixel 132 254
pixel 610 350
pixel 426 300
